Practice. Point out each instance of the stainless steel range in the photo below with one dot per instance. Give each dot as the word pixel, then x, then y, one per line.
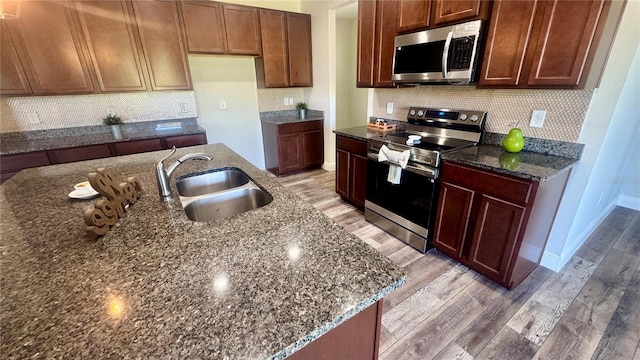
pixel 402 196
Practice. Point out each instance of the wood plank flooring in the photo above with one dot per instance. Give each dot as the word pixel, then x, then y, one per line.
pixel 589 310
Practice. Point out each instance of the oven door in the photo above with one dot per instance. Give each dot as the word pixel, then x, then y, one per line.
pixel 410 204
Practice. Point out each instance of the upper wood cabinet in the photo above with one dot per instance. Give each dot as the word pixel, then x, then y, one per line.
pixel 286 50
pixel 243 29
pixel 413 15
pixel 377 29
pixel 548 43
pixel 204 27
pixel 452 11
pixel 163 45
pixel 109 31
pixel 13 80
pixel 50 49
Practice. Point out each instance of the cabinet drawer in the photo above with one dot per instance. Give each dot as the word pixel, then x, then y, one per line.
pixel 352 145
pixel 13 163
pixel 80 153
pixel 186 140
pixel 299 127
pixel 500 186
pixel 134 147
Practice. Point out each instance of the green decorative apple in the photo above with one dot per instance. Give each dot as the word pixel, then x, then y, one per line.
pixel 509 161
pixel 514 141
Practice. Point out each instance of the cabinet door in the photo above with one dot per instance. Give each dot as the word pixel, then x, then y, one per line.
pixel 413 14
pixel 204 27
pixel 49 44
pixel 163 44
pixel 509 35
pixel 366 42
pixel 13 80
pixel 299 49
pixel 358 179
pixel 273 27
pixel 139 146
pixel 343 162
pixel 566 34
pixel 499 225
pixel 243 29
pixel 312 148
pixel 186 140
pixel 447 11
pixel 290 151
pixel 80 153
pixel 108 30
pixel 453 219
pixel 387 28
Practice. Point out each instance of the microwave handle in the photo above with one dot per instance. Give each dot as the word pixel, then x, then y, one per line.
pixel 445 56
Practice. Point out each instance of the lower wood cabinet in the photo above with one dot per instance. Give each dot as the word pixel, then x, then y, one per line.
pixel 293 147
pixel 351 170
pixel 496 224
pixel 11 164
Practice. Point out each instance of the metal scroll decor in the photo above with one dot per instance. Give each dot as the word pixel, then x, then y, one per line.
pixel 115 201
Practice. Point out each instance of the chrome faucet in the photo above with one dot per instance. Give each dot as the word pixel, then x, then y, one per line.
pixel 164 176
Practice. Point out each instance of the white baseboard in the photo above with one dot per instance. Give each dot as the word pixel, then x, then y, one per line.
pixel 329 166
pixel 629 202
pixel 555 262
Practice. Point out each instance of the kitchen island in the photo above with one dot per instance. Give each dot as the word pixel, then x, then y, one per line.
pixel 262 284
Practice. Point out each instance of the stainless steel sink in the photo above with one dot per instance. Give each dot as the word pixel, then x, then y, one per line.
pixel 226 204
pixel 219 194
pixel 211 182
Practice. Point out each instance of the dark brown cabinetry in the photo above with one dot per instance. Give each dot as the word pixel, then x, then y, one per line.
pixel 376 34
pixel 13 80
pixel 413 15
pixel 545 43
pixel 12 163
pixel 286 50
pixel 162 44
pixel 109 31
pixel 50 49
pixel 496 224
pixel 243 29
pixel 351 170
pixel 292 147
pixel 204 27
pixel 448 11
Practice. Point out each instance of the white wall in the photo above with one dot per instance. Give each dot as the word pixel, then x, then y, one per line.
pixel 351 102
pixel 608 116
pixel 232 79
pixel 359 96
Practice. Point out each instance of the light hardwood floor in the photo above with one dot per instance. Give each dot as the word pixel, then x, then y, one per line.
pixel 589 310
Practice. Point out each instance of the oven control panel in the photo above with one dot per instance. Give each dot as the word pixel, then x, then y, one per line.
pixel 428 116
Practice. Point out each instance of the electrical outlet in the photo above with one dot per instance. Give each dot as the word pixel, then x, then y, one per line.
pixel 286 101
pixel 537 118
pixel 184 107
pixel 223 105
pixel 390 107
pixel 32 118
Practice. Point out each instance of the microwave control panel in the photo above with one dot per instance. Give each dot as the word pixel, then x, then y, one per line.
pixel 462 52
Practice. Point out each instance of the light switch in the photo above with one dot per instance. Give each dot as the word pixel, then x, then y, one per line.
pixel 286 101
pixel 223 105
pixel 390 107
pixel 32 118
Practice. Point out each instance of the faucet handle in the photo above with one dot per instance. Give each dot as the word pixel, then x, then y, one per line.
pixel 173 151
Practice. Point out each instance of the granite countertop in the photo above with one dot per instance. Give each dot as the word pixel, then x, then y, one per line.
pixel 258 285
pixel 358 132
pixel 525 164
pixel 39 140
pixel 290 116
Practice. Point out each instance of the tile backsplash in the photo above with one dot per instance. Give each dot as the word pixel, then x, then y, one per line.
pixel 54 112
pixel 566 109
pixel 273 99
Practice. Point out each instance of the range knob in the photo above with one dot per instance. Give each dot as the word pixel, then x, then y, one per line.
pixel 420 112
pixel 474 118
pixel 463 117
pixel 412 112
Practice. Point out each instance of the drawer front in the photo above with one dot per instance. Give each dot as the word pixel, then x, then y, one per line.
pixel 80 153
pixel 13 163
pixel 134 147
pixel 351 145
pixel 503 187
pixel 186 140
pixel 299 127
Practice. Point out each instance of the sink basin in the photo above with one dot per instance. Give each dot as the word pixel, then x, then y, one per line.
pixel 226 204
pixel 211 182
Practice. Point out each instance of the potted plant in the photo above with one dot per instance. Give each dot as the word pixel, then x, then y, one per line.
pixel 302 109
pixel 114 122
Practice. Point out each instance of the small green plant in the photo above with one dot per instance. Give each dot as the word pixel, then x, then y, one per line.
pixel 301 106
pixel 112 120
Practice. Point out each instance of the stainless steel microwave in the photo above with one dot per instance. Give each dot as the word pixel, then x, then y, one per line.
pixel 443 55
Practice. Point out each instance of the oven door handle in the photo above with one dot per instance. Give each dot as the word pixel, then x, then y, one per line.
pixel 423 171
